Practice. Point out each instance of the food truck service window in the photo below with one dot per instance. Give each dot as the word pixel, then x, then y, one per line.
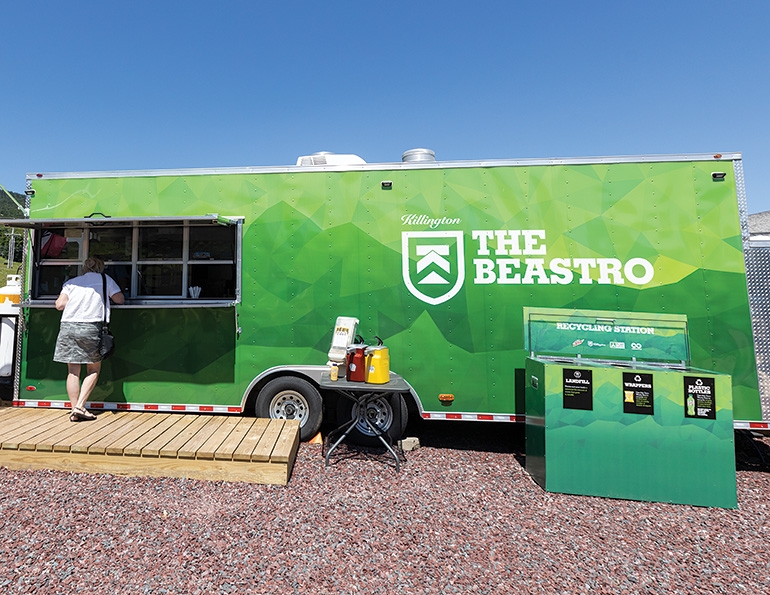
pixel 159 260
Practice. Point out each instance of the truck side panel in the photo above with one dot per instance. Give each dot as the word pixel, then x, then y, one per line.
pixel 439 264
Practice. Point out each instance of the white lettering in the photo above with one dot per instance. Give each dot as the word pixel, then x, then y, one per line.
pixel 531 237
pixel 609 271
pixel 562 274
pixel 510 242
pixel 482 236
pixel 635 330
pixel 704 390
pixel 504 268
pixel 485 271
pixel 585 265
pixel 507 242
pixel 583 326
pixel 629 267
pixel 502 243
pixel 412 219
pixel 535 268
pixel 558 271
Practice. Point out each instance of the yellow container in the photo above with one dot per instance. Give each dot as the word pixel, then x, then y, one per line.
pixel 377 365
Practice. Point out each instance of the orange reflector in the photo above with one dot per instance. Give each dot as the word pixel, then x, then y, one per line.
pixel 446 398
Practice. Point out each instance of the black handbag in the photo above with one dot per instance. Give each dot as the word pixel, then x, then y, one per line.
pixel 106 340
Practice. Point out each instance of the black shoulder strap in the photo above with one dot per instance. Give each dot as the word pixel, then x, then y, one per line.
pixel 104 295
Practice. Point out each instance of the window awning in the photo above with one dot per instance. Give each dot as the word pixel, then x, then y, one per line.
pixel 98 221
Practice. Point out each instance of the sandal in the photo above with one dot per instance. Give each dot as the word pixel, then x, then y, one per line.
pixel 74 416
pixel 82 415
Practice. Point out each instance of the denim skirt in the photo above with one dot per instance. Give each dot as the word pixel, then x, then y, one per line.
pixel 78 343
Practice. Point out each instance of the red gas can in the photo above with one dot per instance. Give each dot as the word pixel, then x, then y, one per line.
pixel 356 363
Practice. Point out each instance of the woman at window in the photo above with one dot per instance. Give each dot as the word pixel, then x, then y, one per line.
pixel 82 304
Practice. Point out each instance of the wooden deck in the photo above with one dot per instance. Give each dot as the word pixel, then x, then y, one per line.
pixel 211 447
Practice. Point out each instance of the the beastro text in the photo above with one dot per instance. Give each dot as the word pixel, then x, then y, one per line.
pixel 498 259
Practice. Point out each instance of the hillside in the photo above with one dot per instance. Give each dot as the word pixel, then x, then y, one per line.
pixel 8 210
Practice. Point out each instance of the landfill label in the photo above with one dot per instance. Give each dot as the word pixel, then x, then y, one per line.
pixel 577 389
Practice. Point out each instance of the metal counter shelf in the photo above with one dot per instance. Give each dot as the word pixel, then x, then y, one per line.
pixel 362 393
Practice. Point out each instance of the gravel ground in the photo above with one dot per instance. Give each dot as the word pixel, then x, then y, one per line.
pixel 462 517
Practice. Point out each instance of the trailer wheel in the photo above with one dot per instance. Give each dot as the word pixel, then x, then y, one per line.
pixel 292 398
pixel 388 413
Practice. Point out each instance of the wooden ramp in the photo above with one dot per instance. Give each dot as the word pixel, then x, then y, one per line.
pixel 218 448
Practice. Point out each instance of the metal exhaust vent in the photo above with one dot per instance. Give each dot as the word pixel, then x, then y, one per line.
pixel 418 155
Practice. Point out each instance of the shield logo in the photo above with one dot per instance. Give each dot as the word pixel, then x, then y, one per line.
pixel 432 264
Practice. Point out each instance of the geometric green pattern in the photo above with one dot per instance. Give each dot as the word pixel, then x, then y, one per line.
pixel 321 244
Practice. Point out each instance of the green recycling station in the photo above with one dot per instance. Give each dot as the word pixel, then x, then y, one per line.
pixel 614 410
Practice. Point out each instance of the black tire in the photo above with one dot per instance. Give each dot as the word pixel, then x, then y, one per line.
pixel 387 412
pixel 292 398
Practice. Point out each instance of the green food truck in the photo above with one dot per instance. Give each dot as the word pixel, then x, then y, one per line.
pixel 234 278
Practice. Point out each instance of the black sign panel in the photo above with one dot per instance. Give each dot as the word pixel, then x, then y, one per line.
pixel 700 397
pixel 638 393
pixel 578 389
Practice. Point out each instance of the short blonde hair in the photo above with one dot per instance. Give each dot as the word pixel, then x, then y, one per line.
pixel 93 264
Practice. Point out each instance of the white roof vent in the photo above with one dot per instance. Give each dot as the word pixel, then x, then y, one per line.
pixel 326 158
pixel 416 155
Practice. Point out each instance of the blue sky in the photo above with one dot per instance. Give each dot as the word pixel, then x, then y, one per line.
pixel 97 85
